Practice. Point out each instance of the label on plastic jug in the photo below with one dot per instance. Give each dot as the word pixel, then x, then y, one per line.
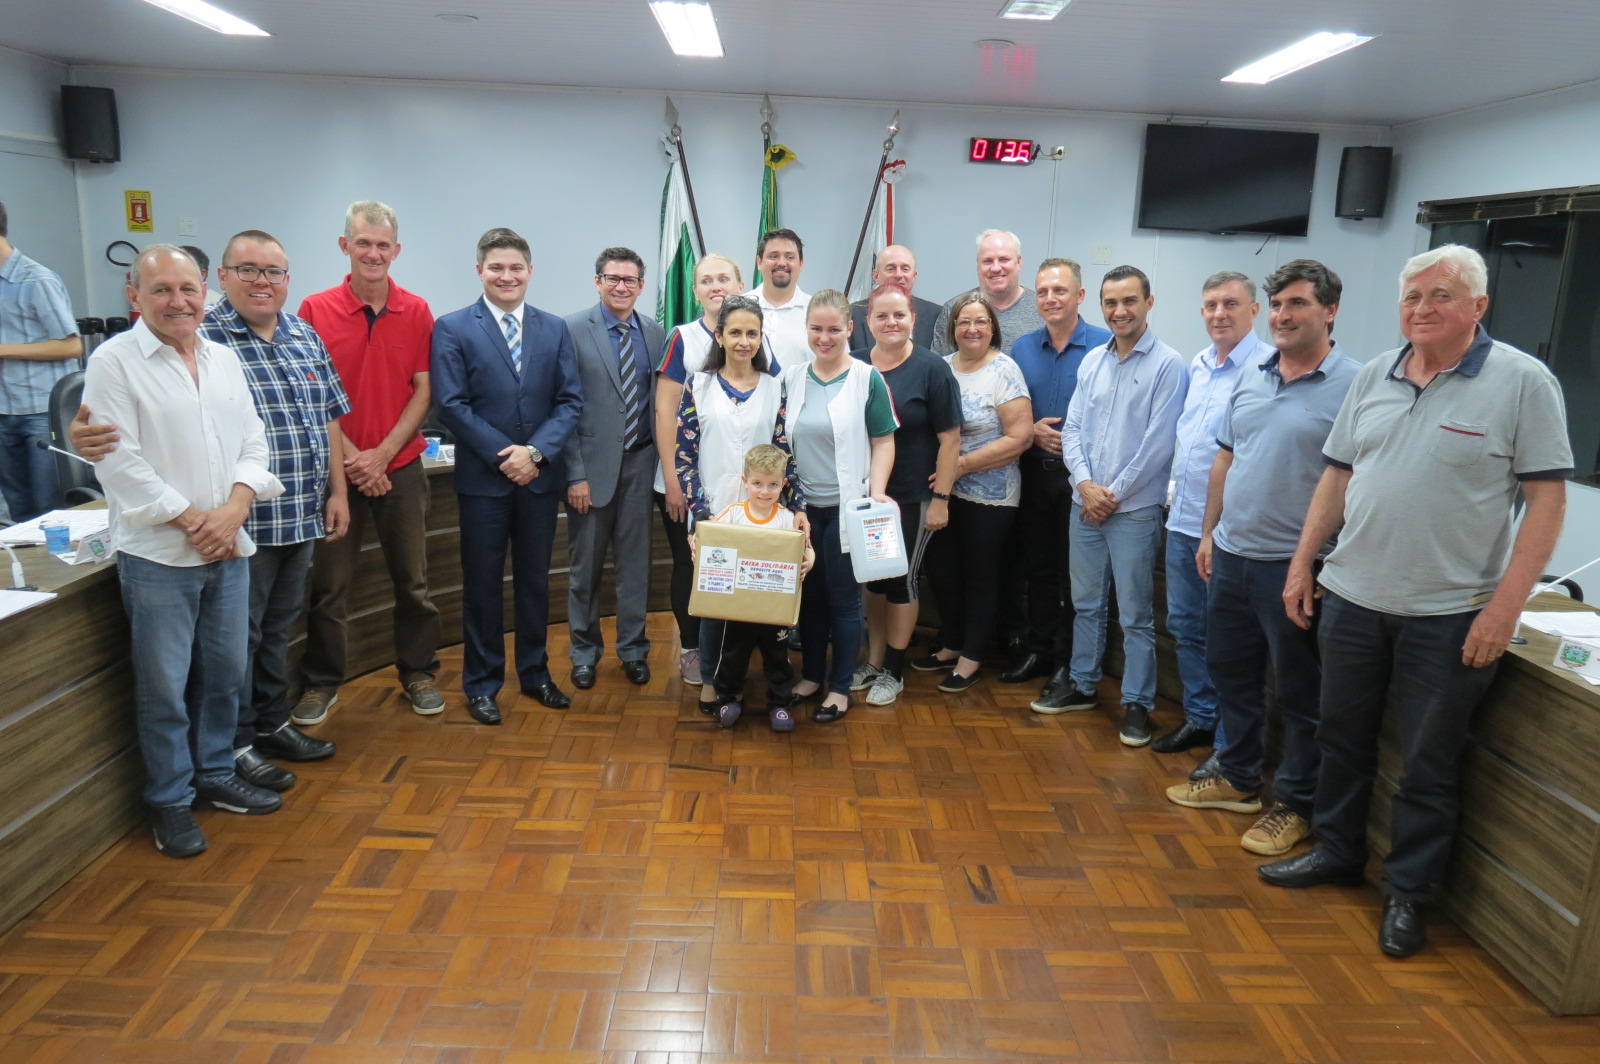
pixel 756 574
pixel 882 537
pixel 718 570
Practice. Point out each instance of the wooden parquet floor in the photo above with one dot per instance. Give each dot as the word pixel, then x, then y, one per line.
pixel 953 878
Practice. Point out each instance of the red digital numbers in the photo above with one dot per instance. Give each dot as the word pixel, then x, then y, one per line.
pixel 999 150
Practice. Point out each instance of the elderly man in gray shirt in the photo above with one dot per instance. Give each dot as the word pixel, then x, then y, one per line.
pixel 1262 480
pixel 1117 442
pixel 1423 591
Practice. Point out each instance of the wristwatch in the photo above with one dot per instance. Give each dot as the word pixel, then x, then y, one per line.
pixel 941 495
pixel 533 452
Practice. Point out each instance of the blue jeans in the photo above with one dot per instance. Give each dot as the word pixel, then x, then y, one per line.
pixel 27 473
pixel 277 599
pixel 1186 622
pixel 830 608
pixel 1410 666
pixel 1121 550
pixel 190 627
pixel 1248 633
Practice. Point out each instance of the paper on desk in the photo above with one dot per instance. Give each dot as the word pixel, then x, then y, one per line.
pixel 17 601
pixel 80 523
pixel 1580 623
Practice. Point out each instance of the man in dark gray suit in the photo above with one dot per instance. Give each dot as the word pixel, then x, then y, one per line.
pixel 897 266
pixel 611 466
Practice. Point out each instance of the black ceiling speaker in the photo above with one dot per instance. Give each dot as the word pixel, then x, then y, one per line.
pixel 89 122
pixel 1363 182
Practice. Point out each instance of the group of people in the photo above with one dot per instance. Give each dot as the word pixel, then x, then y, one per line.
pixel 1322 517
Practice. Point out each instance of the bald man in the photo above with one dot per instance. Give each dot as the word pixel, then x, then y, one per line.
pixel 897 266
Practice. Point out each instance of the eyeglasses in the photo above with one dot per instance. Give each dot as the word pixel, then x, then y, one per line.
pixel 971 323
pixel 273 274
pixel 617 280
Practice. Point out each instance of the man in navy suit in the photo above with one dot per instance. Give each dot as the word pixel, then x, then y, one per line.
pixel 505 378
pixel 611 466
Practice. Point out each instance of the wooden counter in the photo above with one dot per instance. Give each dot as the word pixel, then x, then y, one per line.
pixel 70 771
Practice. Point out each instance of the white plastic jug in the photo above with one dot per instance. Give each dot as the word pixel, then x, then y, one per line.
pixel 877 548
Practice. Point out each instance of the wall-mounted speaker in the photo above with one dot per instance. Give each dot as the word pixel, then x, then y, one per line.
pixel 1363 182
pixel 89 122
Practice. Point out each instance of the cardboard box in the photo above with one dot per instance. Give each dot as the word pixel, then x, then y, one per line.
pixel 744 573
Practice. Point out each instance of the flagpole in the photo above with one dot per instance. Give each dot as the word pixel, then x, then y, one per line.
pixel 872 200
pixel 688 185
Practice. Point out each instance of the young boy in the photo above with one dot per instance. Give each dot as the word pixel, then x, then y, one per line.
pixel 764 479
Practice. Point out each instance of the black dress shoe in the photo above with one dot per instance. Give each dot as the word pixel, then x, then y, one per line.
pixel 547 694
pixel 289 743
pixel 637 672
pixel 1030 667
pixel 483 709
pixel 1185 736
pixel 1211 766
pixel 583 677
pixel 1060 683
pixel 1309 869
pixel 1404 930
pixel 253 768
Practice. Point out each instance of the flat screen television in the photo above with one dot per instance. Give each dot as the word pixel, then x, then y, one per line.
pixel 1212 179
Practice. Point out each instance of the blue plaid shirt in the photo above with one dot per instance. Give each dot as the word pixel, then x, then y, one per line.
pixel 297 393
pixel 33 307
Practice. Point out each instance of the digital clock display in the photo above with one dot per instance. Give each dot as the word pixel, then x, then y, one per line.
pixel 1002 150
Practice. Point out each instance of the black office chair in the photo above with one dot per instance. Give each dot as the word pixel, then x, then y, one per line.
pixel 78 482
pixel 1571 587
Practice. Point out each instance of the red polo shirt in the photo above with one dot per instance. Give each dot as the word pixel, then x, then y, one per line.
pixel 376 363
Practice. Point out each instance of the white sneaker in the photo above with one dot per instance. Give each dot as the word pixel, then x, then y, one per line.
pixel 864 676
pixel 885 689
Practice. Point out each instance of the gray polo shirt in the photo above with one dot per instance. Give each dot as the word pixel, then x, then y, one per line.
pixel 1433 474
pixel 1276 429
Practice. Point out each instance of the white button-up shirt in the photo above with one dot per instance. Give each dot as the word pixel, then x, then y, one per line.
pixel 784 327
pixel 182 444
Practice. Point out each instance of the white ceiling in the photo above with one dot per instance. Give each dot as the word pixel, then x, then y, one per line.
pixel 1144 56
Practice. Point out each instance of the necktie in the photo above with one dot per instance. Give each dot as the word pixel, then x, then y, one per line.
pixel 630 387
pixel 514 341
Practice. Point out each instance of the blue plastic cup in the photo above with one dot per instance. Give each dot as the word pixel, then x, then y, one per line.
pixel 57 537
pixel 432 450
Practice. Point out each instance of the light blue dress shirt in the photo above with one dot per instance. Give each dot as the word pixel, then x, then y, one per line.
pixel 1210 387
pixel 33 307
pixel 1122 423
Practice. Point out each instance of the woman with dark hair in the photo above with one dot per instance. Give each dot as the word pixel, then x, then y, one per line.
pixel 996 427
pixel 926 447
pixel 841 422
pixel 715 278
pixel 731 404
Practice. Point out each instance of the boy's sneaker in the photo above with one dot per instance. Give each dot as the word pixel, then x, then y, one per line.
pixel 177 834
pixel 780 718
pixel 864 676
pixel 689 666
pixel 1213 792
pixel 885 690
pixel 1276 833
pixel 728 713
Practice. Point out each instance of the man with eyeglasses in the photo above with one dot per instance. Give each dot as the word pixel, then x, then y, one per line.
pixel 379 336
pixel 299 399
pixel 611 467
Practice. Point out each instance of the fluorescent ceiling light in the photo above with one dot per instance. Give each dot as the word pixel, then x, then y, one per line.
pixel 1034 10
pixel 212 18
pixel 690 28
pixel 1298 56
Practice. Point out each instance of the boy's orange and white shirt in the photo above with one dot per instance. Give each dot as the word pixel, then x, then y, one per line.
pixel 739 514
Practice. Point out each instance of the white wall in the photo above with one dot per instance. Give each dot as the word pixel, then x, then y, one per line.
pixel 1544 141
pixel 36 182
pixel 577 170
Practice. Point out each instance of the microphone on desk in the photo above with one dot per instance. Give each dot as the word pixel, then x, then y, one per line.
pixel 19 579
pixel 44 445
pixel 1542 588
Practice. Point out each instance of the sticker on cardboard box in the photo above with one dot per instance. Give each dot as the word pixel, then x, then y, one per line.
pixel 882 537
pixel 718 571
pixel 761 574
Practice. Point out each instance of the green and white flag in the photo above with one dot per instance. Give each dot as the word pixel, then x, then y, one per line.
pixel 773 158
pixel 675 302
